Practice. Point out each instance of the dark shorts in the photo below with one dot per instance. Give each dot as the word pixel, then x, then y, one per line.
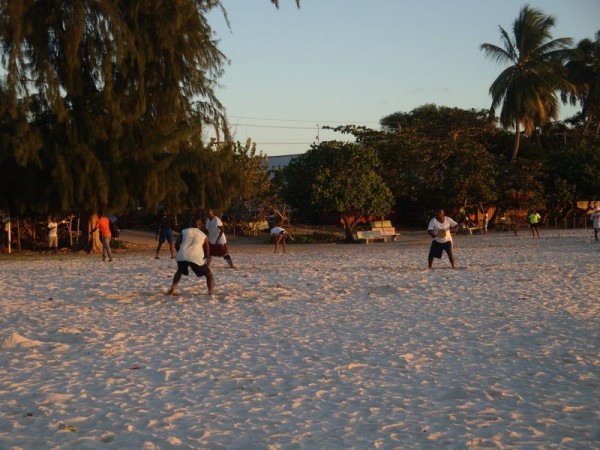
pixel 437 248
pixel 166 235
pixel 218 250
pixel 533 225
pixel 200 271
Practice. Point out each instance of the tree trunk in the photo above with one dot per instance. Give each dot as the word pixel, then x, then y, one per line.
pixel 90 242
pixel 348 228
pixel 513 157
pixel 70 230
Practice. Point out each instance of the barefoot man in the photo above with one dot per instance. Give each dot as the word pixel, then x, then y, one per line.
pixel 439 229
pixel 192 251
pixel 280 235
pixel 216 238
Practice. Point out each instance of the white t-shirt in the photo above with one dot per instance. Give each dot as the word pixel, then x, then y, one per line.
pixel 436 226
pixel 276 231
pixel 595 220
pixel 53 227
pixel 191 249
pixel 212 226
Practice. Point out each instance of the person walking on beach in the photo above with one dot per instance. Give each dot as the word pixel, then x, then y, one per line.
pixel 534 220
pixel 595 218
pixel 485 221
pixel 164 231
pixel 216 238
pixel 193 251
pixel 53 234
pixel 440 228
pixel 103 224
pixel 280 234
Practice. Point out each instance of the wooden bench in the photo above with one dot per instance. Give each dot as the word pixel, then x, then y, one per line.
pixel 475 230
pixel 368 236
pixel 381 230
pixel 387 230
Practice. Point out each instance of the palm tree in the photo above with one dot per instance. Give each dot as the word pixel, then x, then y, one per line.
pixel 527 89
pixel 584 73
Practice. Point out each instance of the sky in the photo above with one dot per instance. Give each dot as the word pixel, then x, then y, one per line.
pixel 337 62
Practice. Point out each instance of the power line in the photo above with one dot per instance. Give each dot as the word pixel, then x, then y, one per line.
pixel 284 143
pixel 273 126
pixel 300 120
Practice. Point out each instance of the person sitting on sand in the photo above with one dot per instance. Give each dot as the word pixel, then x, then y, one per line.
pixel 192 252
pixel 280 235
pixel 439 229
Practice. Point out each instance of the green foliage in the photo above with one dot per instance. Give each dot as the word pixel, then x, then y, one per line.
pixel 584 73
pixel 441 122
pixel 521 185
pixel 527 89
pixel 337 177
pixel 447 164
pixel 576 169
pixel 122 93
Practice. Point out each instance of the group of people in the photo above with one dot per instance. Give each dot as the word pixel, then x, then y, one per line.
pixel 195 249
pixel 217 241
pixel 441 228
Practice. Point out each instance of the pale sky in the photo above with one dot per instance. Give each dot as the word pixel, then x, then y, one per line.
pixel 337 62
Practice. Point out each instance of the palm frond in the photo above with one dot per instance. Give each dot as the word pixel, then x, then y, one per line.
pixel 495 53
pixel 276 3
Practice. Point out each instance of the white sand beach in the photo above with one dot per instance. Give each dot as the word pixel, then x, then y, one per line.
pixel 326 347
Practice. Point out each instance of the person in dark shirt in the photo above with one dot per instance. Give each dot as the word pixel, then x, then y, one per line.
pixel 164 231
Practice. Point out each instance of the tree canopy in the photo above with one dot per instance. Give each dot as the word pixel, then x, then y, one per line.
pixel 584 73
pixel 338 177
pixel 527 90
pixel 105 105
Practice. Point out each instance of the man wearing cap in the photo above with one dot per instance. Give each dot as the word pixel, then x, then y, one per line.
pixel 439 229
pixel 595 218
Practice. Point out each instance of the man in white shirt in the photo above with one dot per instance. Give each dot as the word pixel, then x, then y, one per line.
pixel 192 252
pixel 280 235
pixel 53 234
pixel 440 228
pixel 216 238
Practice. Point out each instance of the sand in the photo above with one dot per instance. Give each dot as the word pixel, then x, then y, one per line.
pixel 328 346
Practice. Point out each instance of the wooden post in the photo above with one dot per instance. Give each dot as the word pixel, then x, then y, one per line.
pixel 9 236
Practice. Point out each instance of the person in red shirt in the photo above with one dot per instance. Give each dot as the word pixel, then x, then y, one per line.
pixel 104 226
